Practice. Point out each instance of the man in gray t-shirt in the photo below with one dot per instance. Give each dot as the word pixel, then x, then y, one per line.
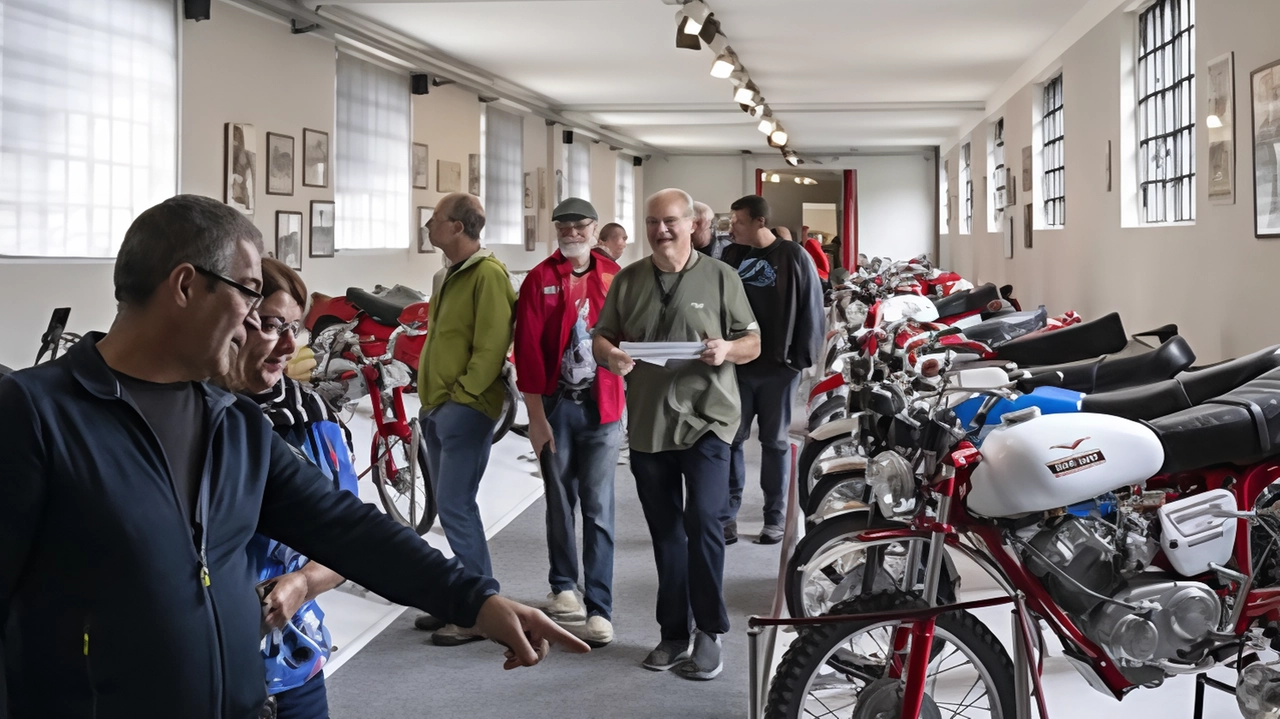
pixel 681 418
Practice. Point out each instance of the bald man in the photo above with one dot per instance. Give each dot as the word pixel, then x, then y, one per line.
pixel 613 241
pixel 704 238
pixel 460 381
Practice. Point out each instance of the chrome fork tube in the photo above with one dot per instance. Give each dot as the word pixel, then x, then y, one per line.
pixel 933 571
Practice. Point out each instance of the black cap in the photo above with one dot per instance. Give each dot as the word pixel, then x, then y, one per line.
pixel 574 208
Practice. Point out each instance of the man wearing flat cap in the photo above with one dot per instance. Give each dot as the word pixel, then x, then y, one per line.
pixel 575 412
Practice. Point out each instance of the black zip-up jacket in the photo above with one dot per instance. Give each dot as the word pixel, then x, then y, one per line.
pixel 786 297
pixel 102 578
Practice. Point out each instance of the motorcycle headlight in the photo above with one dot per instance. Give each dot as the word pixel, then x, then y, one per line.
pixel 892 483
pixel 855 313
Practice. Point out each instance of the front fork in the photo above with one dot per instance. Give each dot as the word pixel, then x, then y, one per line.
pixel 921 631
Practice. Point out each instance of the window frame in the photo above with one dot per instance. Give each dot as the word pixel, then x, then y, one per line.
pixel 1165 112
pixel 997 194
pixel 966 181
pixel 502 183
pixel 625 199
pixel 1053 155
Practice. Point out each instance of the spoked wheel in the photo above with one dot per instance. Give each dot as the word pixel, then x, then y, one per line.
pixel 814 452
pixel 831 565
pixel 404 485
pixel 845 670
pixel 510 406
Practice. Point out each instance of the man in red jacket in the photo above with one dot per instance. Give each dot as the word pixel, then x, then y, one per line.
pixel 575 408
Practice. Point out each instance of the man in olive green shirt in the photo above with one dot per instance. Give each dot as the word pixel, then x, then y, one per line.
pixel 682 418
pixel 460 381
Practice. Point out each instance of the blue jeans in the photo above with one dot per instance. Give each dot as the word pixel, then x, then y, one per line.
pixel 581 468
pixel 766 395
pixel 308 701
pixel 688 540
pixel 458 439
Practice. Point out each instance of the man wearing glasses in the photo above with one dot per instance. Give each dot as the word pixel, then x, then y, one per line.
pixel 575 412
pixel 682 416
pixel 130 488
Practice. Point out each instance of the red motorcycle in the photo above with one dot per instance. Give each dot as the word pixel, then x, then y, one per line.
pixel 369 343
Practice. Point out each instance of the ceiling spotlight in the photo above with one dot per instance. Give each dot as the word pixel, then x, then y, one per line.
pixel 792 159
pixel 767 125
pixel 778 136
pixel 746 95
pixel 799 181
pixel 739 77
pixel 684 40
pixel 696 13
pixel 723 66
pixel 774 178
pixel 719 45
pixel 759 111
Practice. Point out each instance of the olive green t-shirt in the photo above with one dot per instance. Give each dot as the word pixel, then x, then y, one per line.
pixel 671 407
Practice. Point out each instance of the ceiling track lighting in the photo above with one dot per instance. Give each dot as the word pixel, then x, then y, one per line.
pixel 697 13
pixel 747 95
pixel 768 124
pixel 724 65
pixel 778 137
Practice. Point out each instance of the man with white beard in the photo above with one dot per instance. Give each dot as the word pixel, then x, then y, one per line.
pixel 575 412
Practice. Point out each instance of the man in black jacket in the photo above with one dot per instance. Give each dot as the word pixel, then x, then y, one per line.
pixel 786 297
pixel 129 488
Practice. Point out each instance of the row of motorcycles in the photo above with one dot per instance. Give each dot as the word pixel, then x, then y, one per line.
pixel 1119 497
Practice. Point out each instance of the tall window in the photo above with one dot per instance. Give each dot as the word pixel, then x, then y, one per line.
pixel 371 156
pixel 944 191
pixel 996 181
pixel 625 207
pixel 1166 111
pixel 1052 159
pixel 88 122
pixel 966 182
pixel 578 170
pixel 503 177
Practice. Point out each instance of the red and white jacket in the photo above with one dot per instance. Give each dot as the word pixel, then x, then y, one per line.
pixel 543 323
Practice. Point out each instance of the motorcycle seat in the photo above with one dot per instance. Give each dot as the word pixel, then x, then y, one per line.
pixel 1240 427
pixel 382 310
pixel 959 303
pixel 1185 390
pixel 1104 335
pixel 1112 372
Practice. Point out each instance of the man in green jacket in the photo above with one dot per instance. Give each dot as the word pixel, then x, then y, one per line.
pixel 460 381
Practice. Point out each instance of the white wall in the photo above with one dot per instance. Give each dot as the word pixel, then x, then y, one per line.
pixel 1212 278
pixel 248 68
pixel 715 180
pixel 786 200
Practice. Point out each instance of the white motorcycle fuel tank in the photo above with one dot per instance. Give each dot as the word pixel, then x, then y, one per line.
pixel 916 307
pixel 1059 459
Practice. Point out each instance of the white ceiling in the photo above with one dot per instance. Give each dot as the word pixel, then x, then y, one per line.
pixel 838 74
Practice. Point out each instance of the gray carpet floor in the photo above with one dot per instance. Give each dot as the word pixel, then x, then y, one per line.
pixel 401 675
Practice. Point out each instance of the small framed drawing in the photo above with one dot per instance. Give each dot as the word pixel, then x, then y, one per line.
pixel 1008 238
pixel 473 174
pixel 528 190
pixel 279 164
pixel 1221 124
pixel 530 233
pixel 542 188
pixel 321 228
pixel 1026 168
pixel 289 238
pixel 424 237
pixel 240 160
pixel 1027 214
pixel 448 176
pixel 421 166
pixel 315 158
pixel 1265 84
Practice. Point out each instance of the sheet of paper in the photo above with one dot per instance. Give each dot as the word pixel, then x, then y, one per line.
pixel 660 353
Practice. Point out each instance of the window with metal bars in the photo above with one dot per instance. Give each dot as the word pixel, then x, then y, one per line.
pixel 1051 155
pixel 996 196
pixel 966 181
pixel 1166 111
pixel 944 191
pixel 372 136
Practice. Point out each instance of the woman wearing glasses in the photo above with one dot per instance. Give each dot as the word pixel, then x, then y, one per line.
pixel 294 679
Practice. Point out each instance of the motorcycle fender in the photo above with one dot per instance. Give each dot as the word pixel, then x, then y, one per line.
pixel 842 464
pixel 834 428
pixel 826 385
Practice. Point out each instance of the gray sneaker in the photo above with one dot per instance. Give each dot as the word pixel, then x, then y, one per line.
pixel 704 664
pixel 771 534
pixel 667 654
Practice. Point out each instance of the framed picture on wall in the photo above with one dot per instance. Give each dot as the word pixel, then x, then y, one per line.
pixel 1221 124
pixel 315 158
pixel 448 176
pixel 321 228
pixel 279 164
pixel 424 237
pixel 1028 212
pixel 421 166
pixel 530 233
pixel 1265 85
pixel 289 238
pixel 1008 238
pixel 542 188
pixel 240 160
pixel 473 174
pixel 528 190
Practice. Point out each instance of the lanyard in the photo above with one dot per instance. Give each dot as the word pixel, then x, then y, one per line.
pixel 664 295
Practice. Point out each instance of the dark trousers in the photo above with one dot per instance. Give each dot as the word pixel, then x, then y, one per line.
pixel 308 701
pixel 458 439
pixel 767 396
pixel 688 541
pixel 581 468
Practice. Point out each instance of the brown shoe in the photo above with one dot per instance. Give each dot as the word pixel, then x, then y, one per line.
pixel 452 635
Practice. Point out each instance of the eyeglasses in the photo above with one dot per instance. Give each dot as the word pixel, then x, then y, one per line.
pixel 276 327
pixel 254 297
pixel 565 228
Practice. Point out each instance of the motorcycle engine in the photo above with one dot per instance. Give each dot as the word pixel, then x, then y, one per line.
pixel 1154 624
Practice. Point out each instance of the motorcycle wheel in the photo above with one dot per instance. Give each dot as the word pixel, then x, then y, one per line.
pixel 831 408
pixel 831 556
pixel 836 493
pixel 813 452
pixel 409 497
pixel 843 669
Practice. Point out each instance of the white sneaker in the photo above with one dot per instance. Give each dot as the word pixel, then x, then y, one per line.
pixel 597 632
pixel 565 607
